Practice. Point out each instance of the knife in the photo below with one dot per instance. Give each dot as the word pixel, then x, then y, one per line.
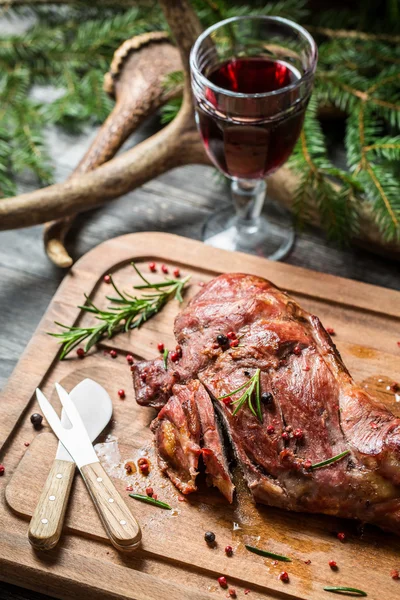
pixel 121 526
pixel 95 407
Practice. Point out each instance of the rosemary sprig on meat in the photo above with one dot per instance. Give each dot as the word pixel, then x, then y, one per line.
pixel 329 461
pixel 149 500
pixel 251 393
pixel 124 313
pixel 267 554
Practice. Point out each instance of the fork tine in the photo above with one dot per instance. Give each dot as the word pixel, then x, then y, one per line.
pixel 70 408
pixel 49 412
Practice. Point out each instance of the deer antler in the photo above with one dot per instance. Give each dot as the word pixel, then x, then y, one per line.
pixel 135 80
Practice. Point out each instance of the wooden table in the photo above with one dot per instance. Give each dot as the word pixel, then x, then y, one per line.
pixel 177 202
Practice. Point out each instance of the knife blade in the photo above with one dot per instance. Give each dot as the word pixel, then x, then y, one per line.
pixel 119 523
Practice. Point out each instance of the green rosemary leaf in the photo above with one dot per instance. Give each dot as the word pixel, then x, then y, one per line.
pixel 339 589
pixel 267 554
pixel 253 388
pixel 165 358
pixel 329 461
pixel 234 391
pixel 149 500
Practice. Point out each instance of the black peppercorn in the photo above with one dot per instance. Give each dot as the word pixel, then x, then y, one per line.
pixel 267 398
pixel 246 373
pixel 209 536
pixel 36 420
pixel 222 340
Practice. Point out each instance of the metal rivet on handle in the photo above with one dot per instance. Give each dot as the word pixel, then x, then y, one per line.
pixel 99 479
pixel 111 499
pixel 45 521
pixel 122 522
pixel 52 497
pixel 59 475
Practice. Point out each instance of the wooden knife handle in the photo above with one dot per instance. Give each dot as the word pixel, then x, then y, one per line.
pixel 119 523
pixel 47 520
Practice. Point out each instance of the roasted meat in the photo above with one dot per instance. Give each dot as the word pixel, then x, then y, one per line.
pixel 310 408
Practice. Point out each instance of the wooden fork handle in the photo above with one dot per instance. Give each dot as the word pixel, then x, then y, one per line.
pixel 47 520
pixel 118 521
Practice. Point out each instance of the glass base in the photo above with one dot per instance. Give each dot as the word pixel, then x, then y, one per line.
pixel 273 237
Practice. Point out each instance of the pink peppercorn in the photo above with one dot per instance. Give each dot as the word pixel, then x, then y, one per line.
pixel 333 564
pixel 330 330
pixel 2 470
pixel 174 356
pixel 121 394
pixel 298 434
pixel 113 353
pixel 284 577
pixel 395 574
pixel 232 593
pixel 297 349
pixel 231 335
pixel 306 368
pixel 81 353
pixel 307 464
pixel 228 550
pixel 149 491
pixel 129 359
pixel 270 429
pixel 285 436
pixel 234 343
pixel 129 488
pixel 341 536
pixel 107 279
pixel 222 582
pixel 152 267
pixel 26 444
pixel 160 347
pixel 177 273
pixel 164 269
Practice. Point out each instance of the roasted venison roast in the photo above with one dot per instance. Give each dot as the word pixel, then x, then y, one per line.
pixel 307 409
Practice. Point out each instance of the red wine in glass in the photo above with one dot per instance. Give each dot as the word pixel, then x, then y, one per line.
pixel 249 137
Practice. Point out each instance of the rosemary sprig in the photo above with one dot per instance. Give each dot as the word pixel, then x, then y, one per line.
pixel 149 500
pixel 338 589
pixel 329 461
pixel 251 392
pixel 267 554
pixel 125 312
pixel 165 358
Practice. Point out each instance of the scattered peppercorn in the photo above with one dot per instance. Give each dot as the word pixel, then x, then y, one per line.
pixel 341 536
pixel 297 349
pixel 80 352
pixel 160 347
pixel 330 330
pixel 129 488
pixel 36 420
pixel 222 582
pixel 234 343
pixel 26 444
pixel 285 436
pixel 121 394
pixel 178 349
pixel 307 464
pixel 181 499
pixel 174 356
pixel 247 374
pixel 333 565
pixel 2 470
pixel 232 593
pixel 128 468
pixel 395 574
pixel 149 491
pixel 274 563
pixel 246 592
pixel 164 269
pixel 228 550
pixel 284 577
pixel 215 346
pixel 129 359
pixel 222 340
pixel 394 387
pixel 144 466
pixel 306 368
pixel 152 267
pixel 267 398
pixel 155 496
pixel 298 434
pixel 307 562
pixel 209 536
pixel 113 353
pixel 107 279
pixel 398 343
pixel 177 273
pixel 231 335
pixel 270 429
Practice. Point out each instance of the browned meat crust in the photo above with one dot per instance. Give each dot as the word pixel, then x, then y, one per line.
pixel 310 390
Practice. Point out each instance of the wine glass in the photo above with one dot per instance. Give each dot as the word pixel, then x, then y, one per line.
pixel 252 78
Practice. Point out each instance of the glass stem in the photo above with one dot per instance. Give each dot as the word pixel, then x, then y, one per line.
pixel 248 198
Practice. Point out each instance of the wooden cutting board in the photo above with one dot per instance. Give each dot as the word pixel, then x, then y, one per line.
pixel 174 560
